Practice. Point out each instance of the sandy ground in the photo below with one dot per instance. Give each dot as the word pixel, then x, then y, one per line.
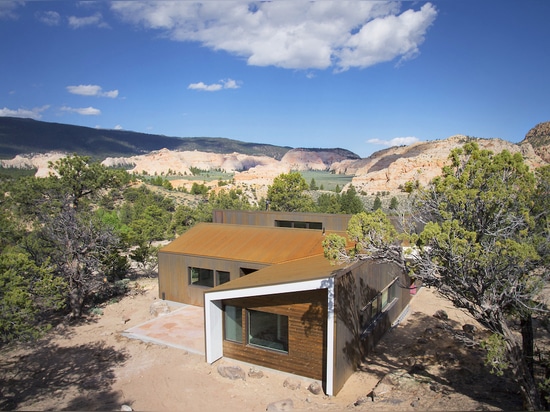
pixel 423 364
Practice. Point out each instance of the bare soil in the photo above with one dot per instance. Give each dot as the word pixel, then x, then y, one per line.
pixel 424 363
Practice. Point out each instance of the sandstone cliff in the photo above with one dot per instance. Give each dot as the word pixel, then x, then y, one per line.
pixel 391 169
pixel 385 170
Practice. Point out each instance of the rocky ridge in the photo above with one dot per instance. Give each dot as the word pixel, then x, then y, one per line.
pixel 386 170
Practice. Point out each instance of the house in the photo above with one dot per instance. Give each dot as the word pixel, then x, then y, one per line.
pixel 272 299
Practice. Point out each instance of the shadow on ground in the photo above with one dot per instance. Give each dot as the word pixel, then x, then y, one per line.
pixel 446 360
pixel 77 378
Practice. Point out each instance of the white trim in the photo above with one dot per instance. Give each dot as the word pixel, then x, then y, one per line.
pixel 213 330
pixel 267 290
pixel 330 339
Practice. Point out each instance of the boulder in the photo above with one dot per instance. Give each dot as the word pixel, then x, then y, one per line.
pixel 231 372
pixel 315 388
pixel 292 384
pixel 159 307
pixel 280 406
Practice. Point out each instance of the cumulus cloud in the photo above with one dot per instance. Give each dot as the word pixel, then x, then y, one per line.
pixel 91 90
pixel 93 20
pixel 85 111
pixel 214 87
pixel 291 34
pixel 396 141
pixel 35 113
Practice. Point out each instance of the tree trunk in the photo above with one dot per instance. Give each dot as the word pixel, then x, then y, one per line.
pixel 524 377
pixel 76 301
pixel 528 342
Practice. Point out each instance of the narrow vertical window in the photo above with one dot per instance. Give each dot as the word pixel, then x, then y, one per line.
pixel 233 325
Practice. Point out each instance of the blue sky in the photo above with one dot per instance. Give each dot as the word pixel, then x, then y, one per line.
pixel 358 74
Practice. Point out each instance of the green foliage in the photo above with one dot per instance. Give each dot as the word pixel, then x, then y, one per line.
pixel 313 185
pixel 496 356
pixel 377 204
pixel 394 204
pixel 350 202
pixel 329 203
pixel 286 194
pixel 199 189
pixel 334 248
pixel 26 291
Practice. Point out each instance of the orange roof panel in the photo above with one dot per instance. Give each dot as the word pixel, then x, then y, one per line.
pixel 268 245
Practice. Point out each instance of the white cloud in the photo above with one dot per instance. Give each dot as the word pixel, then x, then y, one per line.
pixel 222 84
pixel 50 18
pixel 396 141
pixel 35 113
pixel 95 19
pixel 7 9
pixel 91 90
pixel 118 127
pixel 291 34
pixel 85 111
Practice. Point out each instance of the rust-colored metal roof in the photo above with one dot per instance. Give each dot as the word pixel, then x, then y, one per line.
pixel 310 268
pixel 267 245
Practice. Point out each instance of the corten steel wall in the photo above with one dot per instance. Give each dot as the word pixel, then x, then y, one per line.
pixel 334 222
pixel 174 275
pixel 307 316
pixel 353 291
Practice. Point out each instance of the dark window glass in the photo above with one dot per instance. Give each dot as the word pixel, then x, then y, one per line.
pixel 268 330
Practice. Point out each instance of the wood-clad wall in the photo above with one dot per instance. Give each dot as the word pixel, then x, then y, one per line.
pixel 307 314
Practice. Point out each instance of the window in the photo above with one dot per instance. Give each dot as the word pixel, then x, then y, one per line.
pixel 223 277
pixel 233 325
pixel 268 330
pixel 300 225
pixel 247 271
pixel 201 277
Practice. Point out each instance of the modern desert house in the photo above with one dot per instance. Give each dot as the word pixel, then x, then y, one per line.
pixel 272 299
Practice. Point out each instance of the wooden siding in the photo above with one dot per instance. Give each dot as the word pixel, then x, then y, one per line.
pixel 307 313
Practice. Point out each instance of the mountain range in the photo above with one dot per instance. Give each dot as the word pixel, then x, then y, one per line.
pixel 32 144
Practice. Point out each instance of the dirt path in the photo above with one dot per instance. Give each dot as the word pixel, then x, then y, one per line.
pixel 91 366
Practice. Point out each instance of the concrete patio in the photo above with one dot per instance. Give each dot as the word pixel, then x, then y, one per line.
pixel 183 328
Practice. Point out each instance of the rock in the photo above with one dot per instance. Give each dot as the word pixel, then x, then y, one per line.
pixel 255 373
pixel 441 314
pixel 292 384
pixel 231 372
pixel 364 399
pixel 469 328
pixel 280 406
pixel 315 388
pixel 380 389
pixel 159 307
pixel 126 408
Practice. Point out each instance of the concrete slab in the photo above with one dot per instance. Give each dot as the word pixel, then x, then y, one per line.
pixel 182 328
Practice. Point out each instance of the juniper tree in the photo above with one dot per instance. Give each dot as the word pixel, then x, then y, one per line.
pixel 484 246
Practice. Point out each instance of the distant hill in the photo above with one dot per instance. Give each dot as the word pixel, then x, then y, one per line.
pixel 26 136
pixel 539 138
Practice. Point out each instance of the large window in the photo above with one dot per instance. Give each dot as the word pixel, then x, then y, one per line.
pixel 268 330
pixel 233 325
pixel 207 277
pixel 201 277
